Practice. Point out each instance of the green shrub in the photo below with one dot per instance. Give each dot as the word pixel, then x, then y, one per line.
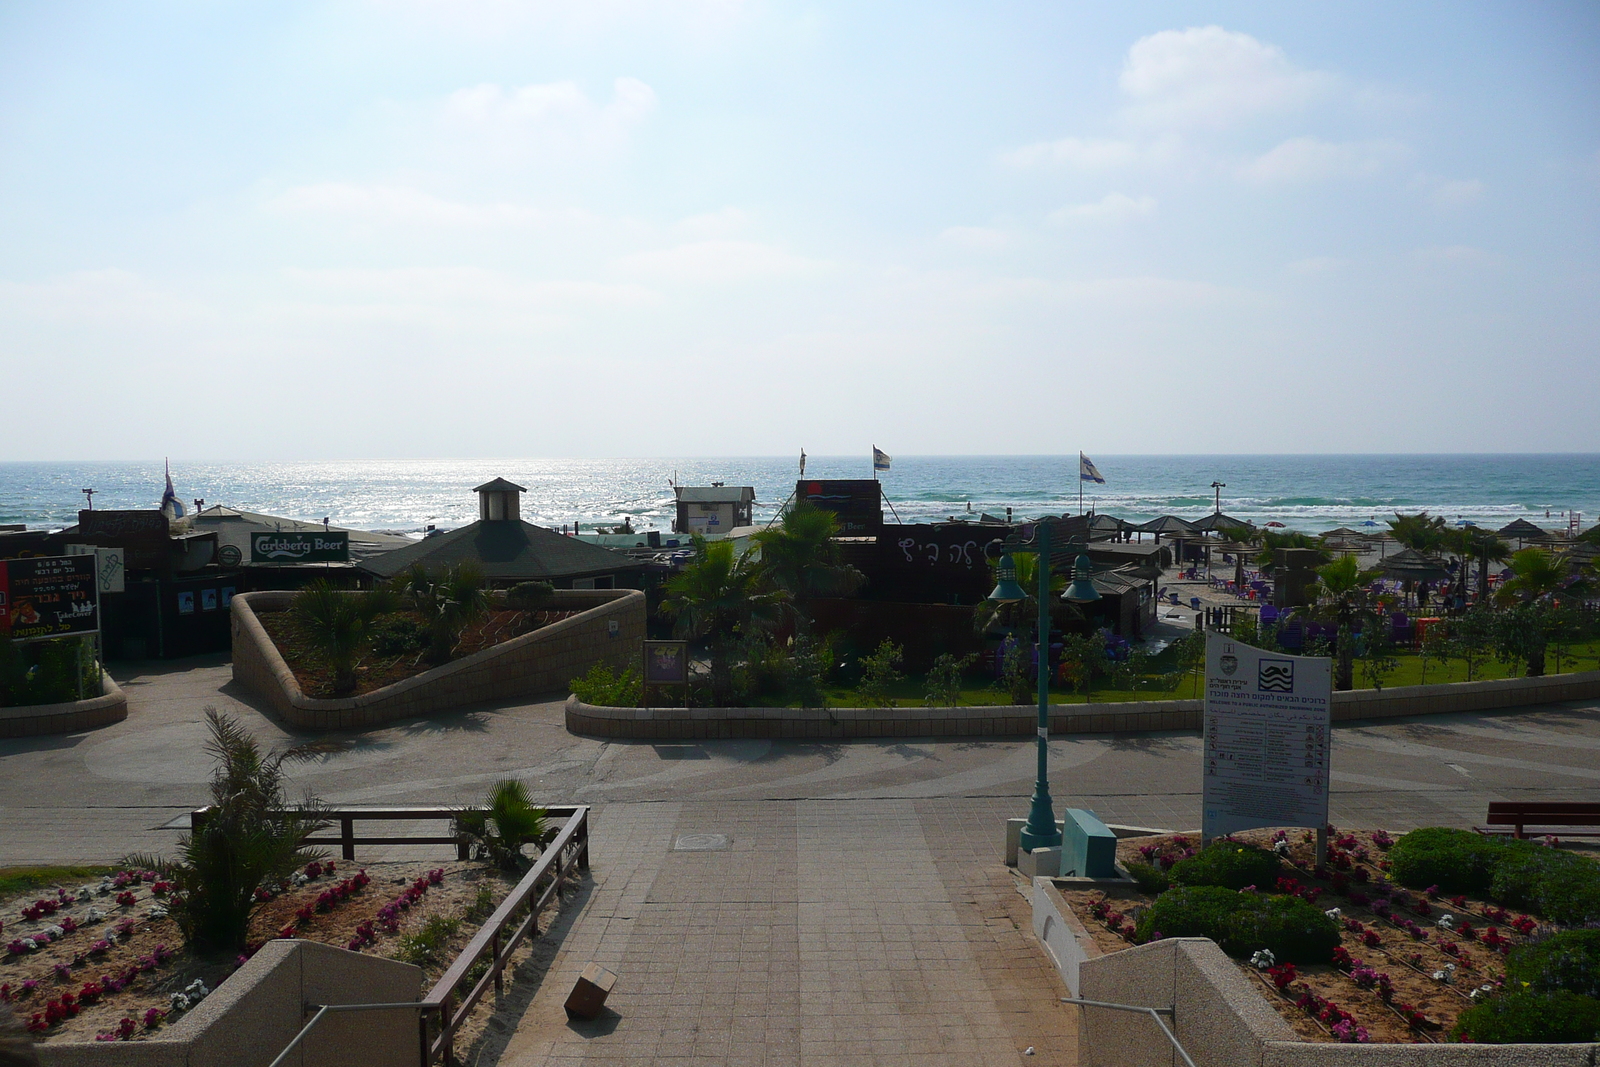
pixel 1457 861
pixel 1523 867
pixel 1291 929
pixel 1233 864
pixel 530 596
pixel 398 634
pixel 879 675
pixel 1195 911
pixel 1527 1016
pixel 1152 880
pixel 1570 895
pixel 1569 960
pixel 603 686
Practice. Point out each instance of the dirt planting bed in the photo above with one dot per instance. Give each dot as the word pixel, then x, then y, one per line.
pixel 102 960
pixel 1408 962
pixel 375 670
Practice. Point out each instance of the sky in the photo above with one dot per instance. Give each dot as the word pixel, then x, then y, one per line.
pixel 458 228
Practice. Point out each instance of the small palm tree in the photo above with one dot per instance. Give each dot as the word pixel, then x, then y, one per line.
pixel 1537 576
pixel 800 557
pixel 508 821
pixel 337 622
pixel 720 597
pixel 249 837
pixel 449 601
pixel 1423 532
pixel 1342 596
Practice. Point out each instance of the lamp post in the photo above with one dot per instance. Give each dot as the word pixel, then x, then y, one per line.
pixel 1217 488
pixel 1040 830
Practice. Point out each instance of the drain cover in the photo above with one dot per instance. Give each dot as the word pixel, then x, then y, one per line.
pixel 701 843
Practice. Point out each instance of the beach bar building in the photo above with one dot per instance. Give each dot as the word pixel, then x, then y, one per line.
pixel 507 550
pixel 713 510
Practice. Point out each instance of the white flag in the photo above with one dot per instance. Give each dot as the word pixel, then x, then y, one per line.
pixel 1087 471
pixel 880 459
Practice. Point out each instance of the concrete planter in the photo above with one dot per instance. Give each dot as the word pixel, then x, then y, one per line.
pixel 111 706
pixel 1022 720
pixel 608 628
pixel 1221 1019
pixel 252 1016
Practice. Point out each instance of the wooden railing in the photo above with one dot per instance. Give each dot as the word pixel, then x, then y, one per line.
pixel 444 1009
pixel 347 839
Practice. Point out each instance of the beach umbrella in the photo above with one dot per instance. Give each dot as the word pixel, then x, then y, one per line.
pixel 1369 522
pixel 1277 524
pixel 1413 566
pixel 1217 522
pixel 1465 522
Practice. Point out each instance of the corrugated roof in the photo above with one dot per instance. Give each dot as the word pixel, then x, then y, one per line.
pixel 234 527
pixel 503 550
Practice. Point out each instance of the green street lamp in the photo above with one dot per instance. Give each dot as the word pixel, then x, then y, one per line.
pixel 1040 830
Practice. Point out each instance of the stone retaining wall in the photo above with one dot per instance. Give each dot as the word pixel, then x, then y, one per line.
pixel 1223 1020
pixel 111 706
pixel 1022 720
pixel 608 629
pixel 256 1013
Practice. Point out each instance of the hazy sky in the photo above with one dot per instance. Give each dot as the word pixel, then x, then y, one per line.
pixel 626 227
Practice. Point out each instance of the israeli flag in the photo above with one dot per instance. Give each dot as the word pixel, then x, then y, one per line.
pixel 1087 472
pixel 171 506
pixel 880 459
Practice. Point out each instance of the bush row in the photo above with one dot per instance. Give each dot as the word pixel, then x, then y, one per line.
pixel 1552 994
pixel 1561 886
pixel 1243 923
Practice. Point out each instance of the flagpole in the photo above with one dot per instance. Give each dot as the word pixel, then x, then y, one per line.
pixel 1080 483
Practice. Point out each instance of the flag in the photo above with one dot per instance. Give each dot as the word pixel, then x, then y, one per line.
pixel 1087 471
pixel 171 506
pixel 880 459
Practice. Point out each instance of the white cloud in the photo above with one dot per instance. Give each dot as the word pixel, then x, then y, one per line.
pixel 1457 256
pixel 1113 207
pixel 717 261
pixel 1447 193
pixel 1211 77
pixel 1317 265
pixel 978 238
pixel 466 286
pixel 1301 159
pixel 403 205
pixel 1078 153
pixel 554 115
pixel 724 222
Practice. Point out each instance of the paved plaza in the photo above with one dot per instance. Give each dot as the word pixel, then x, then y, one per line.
pixel 768 902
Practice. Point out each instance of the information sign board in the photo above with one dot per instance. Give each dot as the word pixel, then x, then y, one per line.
pixel 48 596
pixel 323 547
pixel 666 662
pixel 1266 739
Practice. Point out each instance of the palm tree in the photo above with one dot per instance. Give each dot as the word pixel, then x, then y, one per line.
pixel 800 557
pixel 1272 540
pixel 248 838
pixel 1423 532
pixel 1341 591
pixel 449 600
pixel 721 597
pixel 1537 575
pixel 1485 546
pixel 507 821
pixel 336 623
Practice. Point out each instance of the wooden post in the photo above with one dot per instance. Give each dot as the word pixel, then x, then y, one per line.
pixel 347 836
pixel 499 975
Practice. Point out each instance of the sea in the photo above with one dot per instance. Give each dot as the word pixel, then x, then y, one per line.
pixel 1303 492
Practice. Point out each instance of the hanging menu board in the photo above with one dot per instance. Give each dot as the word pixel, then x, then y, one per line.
pixel 1266 738
pixel 50 596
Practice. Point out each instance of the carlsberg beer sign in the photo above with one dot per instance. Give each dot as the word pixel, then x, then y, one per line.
pixel 327 547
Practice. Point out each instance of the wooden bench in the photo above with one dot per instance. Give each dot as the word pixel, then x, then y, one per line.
pixel 1559 818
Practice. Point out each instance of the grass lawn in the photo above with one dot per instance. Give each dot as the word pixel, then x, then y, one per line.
pixel 24 879
pixel 979 691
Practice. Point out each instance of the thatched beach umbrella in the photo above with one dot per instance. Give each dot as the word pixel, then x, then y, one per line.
pixel 1409 565
pixel 1523 530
